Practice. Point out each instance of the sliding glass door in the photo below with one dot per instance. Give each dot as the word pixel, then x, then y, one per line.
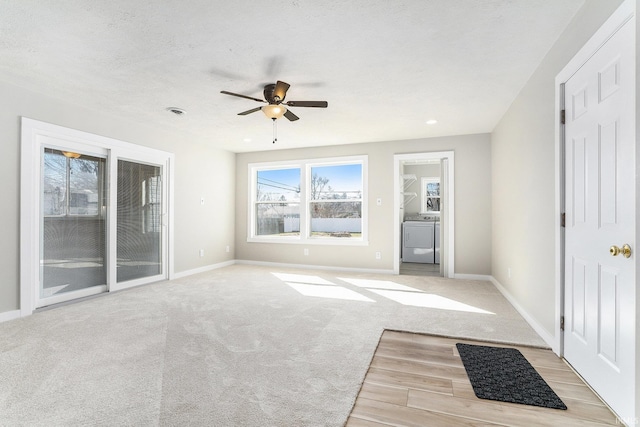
pixel 102 220
pixel 95 214
pixel 139 221
pixel 73 221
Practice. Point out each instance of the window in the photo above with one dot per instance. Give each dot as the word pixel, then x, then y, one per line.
pixel 311 201
pixel 335 200
pixel 72 184
pixel 277 202
pixel 430 190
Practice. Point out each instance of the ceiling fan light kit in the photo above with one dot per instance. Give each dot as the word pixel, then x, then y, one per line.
pixel 274 95
pixel 274 111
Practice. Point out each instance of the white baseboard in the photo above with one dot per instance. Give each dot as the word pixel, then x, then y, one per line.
pixel 314 267
pixel 546 336
pixel 186 273
pixel 483 277
pixel 9 315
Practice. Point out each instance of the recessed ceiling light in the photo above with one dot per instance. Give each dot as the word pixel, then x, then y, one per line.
pixel 432 121
pixel 247 140
pixel 177 111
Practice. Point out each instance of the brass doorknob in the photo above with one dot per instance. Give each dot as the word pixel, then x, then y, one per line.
pixel 625 250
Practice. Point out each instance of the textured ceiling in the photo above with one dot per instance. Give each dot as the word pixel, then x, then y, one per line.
pixel 385 67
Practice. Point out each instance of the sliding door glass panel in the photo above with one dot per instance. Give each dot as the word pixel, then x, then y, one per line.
pixel 73 219
pixel 139 221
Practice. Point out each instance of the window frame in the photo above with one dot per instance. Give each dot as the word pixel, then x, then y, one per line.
pixel 305 166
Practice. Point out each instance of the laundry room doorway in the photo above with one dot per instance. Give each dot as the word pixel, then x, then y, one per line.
pixel 424 212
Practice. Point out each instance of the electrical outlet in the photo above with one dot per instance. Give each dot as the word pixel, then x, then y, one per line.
pixel 378 255
pixel 228 249
pixel 201 252
pixel 202 200
pixel 306 251
pixel 379 201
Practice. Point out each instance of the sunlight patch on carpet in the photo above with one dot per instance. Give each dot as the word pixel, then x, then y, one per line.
pixel 324 291
pixel 315 286
pixel 302 278
pixel 379 284
pixel 416 299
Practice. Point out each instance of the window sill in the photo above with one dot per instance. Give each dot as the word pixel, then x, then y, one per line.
pixel 336 241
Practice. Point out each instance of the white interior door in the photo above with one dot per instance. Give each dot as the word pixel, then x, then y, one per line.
pixel 599 335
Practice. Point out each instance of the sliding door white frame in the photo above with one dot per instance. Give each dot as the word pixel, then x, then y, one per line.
pixel 152 159
pixel 53 142
pixel 35 136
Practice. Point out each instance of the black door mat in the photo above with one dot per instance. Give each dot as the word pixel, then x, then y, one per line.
pixel 503 374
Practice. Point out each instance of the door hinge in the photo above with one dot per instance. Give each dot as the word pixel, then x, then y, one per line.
pixel 562 323
pixel 563 217
pixel 562 117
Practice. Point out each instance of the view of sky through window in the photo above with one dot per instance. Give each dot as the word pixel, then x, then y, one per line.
pixel 284 184
pixel 279 184
pixel 342 178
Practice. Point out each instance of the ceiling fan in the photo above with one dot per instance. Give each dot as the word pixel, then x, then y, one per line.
pixel 276 107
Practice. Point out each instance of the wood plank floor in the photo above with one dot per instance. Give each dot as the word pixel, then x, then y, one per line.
pixel 419 380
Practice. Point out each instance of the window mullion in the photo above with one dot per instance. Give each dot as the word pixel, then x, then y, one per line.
pixel 305 195
pixel 68 186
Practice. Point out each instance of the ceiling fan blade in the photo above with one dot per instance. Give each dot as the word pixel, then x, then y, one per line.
pixel 242 96
pixel 318 104
pixel 253 110
pixel 289 115
pixel 281 90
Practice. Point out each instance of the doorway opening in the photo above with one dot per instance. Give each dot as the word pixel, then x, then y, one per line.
pixel 423 210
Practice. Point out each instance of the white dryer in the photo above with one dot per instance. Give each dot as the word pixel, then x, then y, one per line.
pixel 418 243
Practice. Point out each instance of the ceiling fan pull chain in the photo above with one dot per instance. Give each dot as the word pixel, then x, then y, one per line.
pixel 275 131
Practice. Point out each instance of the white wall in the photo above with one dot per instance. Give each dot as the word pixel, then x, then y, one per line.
pixel 472 205
pixel 522 147
pixel 201 171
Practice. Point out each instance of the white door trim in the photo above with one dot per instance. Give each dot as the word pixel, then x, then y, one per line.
pixel 397 204
pixel 34 134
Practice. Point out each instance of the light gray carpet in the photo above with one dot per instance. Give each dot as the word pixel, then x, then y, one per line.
pixel 238 346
